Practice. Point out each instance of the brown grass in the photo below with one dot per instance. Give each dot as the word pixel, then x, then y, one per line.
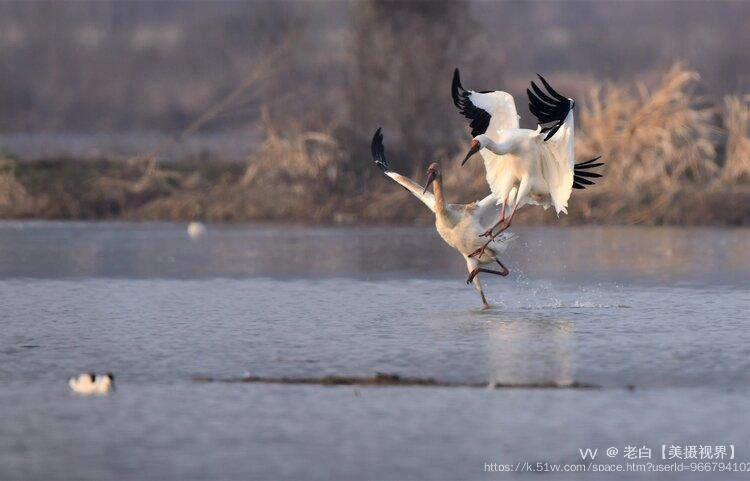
pixel 657 142
pixel 737 125
pixel 297 170
pixel 665 163
pixel 655 138
pixel 15 200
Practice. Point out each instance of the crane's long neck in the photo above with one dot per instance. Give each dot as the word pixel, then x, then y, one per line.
pixel 437 187
pixel 494 147
pixel 500 148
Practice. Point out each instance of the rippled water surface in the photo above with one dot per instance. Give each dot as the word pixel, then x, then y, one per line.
pixel 656 317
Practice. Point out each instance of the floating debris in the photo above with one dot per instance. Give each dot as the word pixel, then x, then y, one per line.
pixel 383 379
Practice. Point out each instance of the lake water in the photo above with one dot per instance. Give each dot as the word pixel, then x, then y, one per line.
pixel 657 317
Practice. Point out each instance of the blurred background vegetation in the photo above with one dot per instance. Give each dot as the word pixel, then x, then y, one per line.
pixel 265 109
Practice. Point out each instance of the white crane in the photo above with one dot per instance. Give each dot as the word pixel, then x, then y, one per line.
pixel 524 166
pixel 460 225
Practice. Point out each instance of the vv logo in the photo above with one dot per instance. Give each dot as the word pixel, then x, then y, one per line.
pixel 588 453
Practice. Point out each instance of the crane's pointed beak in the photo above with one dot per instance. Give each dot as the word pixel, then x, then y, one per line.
pixel 473 150
pixel 430 178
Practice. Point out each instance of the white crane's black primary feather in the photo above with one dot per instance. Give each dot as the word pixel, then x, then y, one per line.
pixel 581 171
pixel 378 155
pixel 378 151
pixel 480 118
pixel 548 107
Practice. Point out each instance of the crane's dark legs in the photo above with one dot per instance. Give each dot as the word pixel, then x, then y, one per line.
pixel 478 253
pixel 488 232
pixel 504 272
pixel 475 280
pixel 503 223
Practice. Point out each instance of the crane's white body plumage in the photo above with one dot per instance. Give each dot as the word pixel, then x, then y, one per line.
pixel 539 166
pixel 541 171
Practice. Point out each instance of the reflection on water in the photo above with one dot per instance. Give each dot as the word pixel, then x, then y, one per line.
pixel 523 349
pixel 145 250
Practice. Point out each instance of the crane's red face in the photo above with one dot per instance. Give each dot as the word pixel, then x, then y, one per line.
pixel 475 146
pixel 433 171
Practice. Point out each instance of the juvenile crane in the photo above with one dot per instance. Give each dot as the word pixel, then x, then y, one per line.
pixel 524 166
pixel 460 225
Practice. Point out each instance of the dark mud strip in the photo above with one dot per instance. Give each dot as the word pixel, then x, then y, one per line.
pixel 381 379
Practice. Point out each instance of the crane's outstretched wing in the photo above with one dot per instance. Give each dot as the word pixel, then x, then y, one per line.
pixel 549 108
pixel 558 158
pixel 489 111
pixel 554 115
pixel 378 155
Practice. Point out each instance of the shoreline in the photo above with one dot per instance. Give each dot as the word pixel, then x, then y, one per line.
pixel 213 190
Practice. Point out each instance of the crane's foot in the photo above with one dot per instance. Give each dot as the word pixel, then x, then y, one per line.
pixel 472 275
pixel 488 232
pixel 504 271
pixel 492 236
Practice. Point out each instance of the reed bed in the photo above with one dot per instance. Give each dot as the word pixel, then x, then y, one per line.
pixel 671 158
pixel 15 200
pixel 666 160
pixel 737 154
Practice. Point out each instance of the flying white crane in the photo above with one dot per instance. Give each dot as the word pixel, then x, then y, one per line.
pixel 524 166
pixel 460 225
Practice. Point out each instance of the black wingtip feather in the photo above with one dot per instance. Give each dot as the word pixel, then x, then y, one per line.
pixel 552 91
pixel 548 107
pixel 378 151
pixel 582 175
pixel 553 131
pixel 540 93
pixel 582 165
pixel 480 119
pixel 586 173
pixel 456 89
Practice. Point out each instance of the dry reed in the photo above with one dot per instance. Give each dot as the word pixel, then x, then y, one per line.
pixel 15 200
pixel 737 125
pixel 656 143
pixel 664 164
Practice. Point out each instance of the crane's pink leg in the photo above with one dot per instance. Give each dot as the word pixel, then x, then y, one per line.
pixel 478 253
pixel 488 232
pixel 523 190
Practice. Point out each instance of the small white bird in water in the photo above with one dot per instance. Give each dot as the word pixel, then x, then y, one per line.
pixel 460 225
pixel 196 229
pixel 90 384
